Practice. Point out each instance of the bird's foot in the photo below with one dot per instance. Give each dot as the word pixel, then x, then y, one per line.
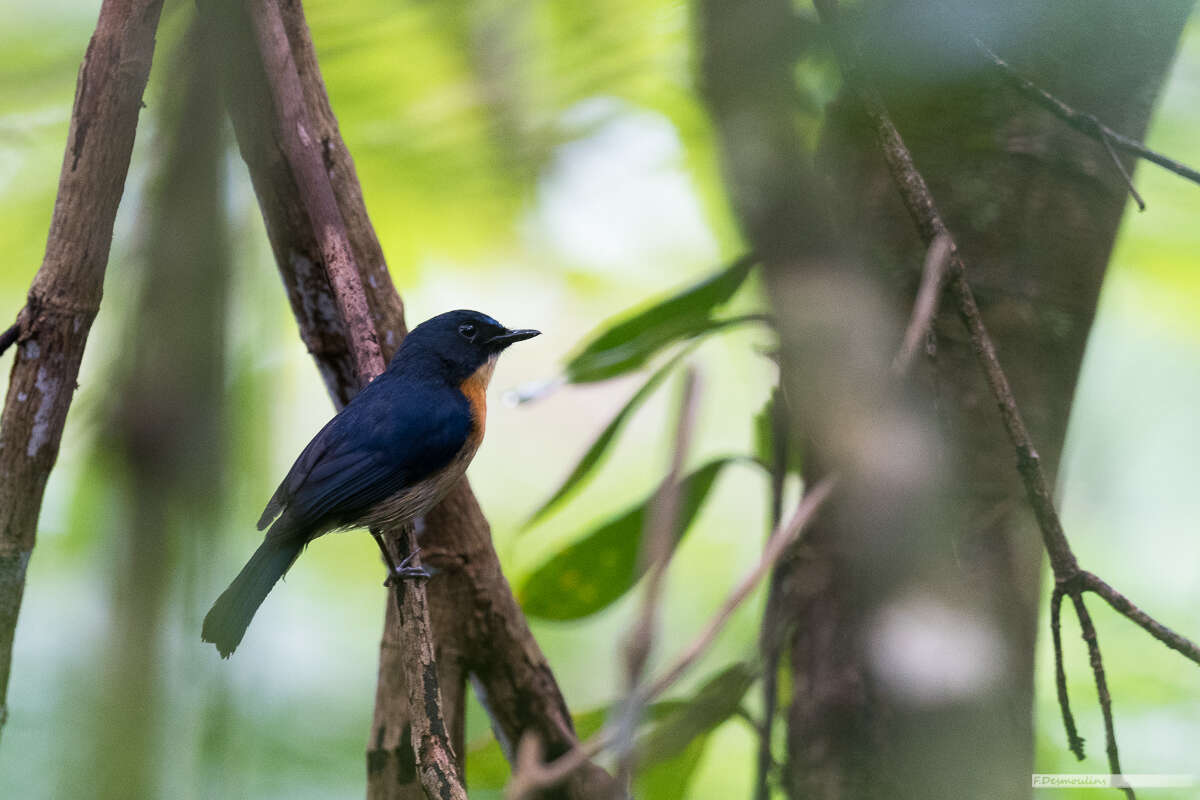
pixel 406 571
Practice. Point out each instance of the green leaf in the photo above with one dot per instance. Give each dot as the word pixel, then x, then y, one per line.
pixel 668 780
pixel 599 447
pixel 634 353
pixel 599 568
pixel 487 768
pixel 627 345
pixel 765 434
pixel 716 701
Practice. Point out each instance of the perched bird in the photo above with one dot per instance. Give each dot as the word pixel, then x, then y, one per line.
pixel 385 459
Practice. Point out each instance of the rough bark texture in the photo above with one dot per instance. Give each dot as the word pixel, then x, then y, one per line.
pixel 477 625
pixel 290 125
pixel 1034 207
pixel 65 294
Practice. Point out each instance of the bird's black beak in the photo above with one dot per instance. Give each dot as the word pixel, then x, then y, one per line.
pixel 503 340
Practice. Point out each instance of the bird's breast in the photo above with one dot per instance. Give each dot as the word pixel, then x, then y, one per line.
pixel 474 389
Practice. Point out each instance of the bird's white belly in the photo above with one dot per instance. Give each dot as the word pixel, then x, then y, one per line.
pixel 415 501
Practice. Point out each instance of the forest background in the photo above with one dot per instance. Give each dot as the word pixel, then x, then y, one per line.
pixel 552 166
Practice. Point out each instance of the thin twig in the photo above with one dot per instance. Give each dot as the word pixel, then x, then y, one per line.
pixel 933 276
pixel 1120 165
pixel 1123 606
pixel 659 542
pixel 9 336
pixel 1093 645
pixel 1074 742
pixel 920 204
pixel 531 776
pixel 776 547
pixel 1085 123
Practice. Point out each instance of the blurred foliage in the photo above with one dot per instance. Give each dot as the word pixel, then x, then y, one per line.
pixel 603 565
pixel 670 739
pixel 627 344
pixel 548 162
pixel 595 453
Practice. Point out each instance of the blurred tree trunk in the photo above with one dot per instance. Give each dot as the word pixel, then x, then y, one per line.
pixel 166 419
pixel 913 603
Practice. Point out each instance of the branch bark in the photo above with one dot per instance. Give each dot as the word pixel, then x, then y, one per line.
pixel 477 626
pixel 65 295
pixel 1088 125
pixel 291 128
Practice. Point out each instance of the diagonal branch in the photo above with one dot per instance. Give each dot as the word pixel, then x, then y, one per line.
pixel 52 328
pixel 662 535
pixel 477 625
pixel 1070 579
pixel 530 775
pixel 1123 606
pixel 295 130
pixel 436 765
pixel 1086 123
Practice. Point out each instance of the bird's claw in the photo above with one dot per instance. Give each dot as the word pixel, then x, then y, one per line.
pixel 405 571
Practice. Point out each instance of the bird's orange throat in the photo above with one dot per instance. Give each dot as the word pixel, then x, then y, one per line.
pixel 474 389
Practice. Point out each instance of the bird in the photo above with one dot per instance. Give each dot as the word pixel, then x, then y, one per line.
pixel 384 460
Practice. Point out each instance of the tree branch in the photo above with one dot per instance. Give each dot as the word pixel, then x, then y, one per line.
pixel 65 294
pixel 477 624
pixel 920 204
pixel 1093 646
pixel 933 277
pixel 1060 674
pixel 1086 123
pixel 1123 606
pixel 293 128
pixel 661 536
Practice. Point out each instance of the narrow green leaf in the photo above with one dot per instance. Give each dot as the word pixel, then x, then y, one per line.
pixel 599 447
pixel 599 568
pixel 627 345
pixel 633 354
pixel 716 701
pixel 765 433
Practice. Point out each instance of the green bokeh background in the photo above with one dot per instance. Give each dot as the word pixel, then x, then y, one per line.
pixel 550 164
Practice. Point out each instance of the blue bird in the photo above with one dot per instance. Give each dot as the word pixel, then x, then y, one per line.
pixel 385 459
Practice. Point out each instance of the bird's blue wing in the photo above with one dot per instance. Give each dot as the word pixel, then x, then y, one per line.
pixel 380 443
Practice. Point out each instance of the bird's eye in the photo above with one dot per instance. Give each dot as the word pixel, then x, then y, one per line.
pixel 467 329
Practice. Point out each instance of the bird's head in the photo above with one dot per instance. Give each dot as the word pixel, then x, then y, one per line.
pixel 462 341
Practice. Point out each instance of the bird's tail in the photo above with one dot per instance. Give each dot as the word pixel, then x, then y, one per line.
pixel 228 618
